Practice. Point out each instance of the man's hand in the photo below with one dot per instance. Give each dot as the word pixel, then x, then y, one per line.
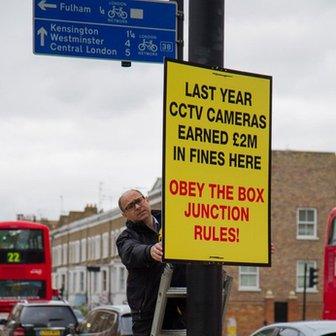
pixel 156 252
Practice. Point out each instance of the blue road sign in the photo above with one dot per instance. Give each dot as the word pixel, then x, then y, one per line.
pixel 126 30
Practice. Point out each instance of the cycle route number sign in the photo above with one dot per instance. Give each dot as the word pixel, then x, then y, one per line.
pixel 128 30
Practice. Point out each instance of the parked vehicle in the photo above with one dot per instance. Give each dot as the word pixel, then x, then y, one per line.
pixel 79 315
pixel 299 328
pixel 111 320
pixel 44 318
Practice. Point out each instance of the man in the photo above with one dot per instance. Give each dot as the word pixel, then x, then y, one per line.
pixel 141 252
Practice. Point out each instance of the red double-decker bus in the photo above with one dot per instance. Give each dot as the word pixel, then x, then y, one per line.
pixel 329 295
pixel 25 263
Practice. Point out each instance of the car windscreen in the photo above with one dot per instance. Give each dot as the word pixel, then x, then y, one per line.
pixel 126 324
pixel 51 316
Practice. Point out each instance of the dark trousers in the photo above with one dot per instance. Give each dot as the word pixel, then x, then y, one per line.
pixel 141 327
pixel 174 318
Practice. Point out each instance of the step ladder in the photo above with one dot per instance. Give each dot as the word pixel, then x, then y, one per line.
pixel 166 292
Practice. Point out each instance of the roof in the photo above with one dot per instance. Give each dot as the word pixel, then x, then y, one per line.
pixel 121 309
pixel 22 225
pixel 44 303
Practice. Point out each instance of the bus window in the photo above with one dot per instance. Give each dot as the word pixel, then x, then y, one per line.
pixel 24 289
pixel 332 233
pixel 21 246
pixel 21 239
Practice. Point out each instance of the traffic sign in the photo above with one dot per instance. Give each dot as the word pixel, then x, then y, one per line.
pixel 216 165
pixel 128 30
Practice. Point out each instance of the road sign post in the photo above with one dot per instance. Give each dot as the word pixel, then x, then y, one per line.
pixel 131 30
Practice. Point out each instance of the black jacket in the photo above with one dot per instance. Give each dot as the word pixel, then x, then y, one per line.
pixel 144 273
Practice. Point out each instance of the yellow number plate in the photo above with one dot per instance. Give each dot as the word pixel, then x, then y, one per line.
pixel 50 333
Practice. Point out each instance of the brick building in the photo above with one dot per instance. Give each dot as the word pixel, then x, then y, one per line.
pixel 303 191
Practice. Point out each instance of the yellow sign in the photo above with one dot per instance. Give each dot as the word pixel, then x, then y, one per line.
pixel 216 169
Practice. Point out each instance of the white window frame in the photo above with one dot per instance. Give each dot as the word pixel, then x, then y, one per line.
pixel 59 255
pixel 71 252
pixel 314 223
pixel 249 271
pixel 114 251
pixel 65 254
pixel 113 279
pixel 96 282
pixel 299 275
pixel 91 248
pixel 105 245
pixel 77 251
pixel 82 282
pixel 74 282
pixel 97 250
pixel 54 256
pixel 104 279
pixel 122 279
pixel 83 249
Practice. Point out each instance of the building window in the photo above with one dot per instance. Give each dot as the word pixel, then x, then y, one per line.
pixel 114 251
pixel 300 275
pixel 71 252
pixel 59 255
pixel 105 245
pixel 74 282
pixel 122 279
pixel 77 251
pixel 91 248
pixel 55 282
pixel 97 247
pixel 306 223
pixel 249 278
pixel 104 280
pixel 113 279
pixel 95 282
pixel 63 283
pixel 81 282
pixel 65 254
pixel 83 249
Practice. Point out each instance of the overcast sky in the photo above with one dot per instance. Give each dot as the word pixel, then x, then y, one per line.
pixel 77 131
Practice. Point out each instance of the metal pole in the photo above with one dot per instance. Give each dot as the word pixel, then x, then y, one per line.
pixel 180 29
pixel 204 282
pixel 304 293
pixel 206 32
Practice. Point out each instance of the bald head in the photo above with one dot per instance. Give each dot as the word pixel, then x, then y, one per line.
pixel 135 207
pixel 125 195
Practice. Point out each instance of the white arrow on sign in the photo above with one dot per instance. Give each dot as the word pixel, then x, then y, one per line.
pixel 44 5
pixel 43 33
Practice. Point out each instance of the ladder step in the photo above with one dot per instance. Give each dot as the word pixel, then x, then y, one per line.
pixel 181 332
pixel 174 292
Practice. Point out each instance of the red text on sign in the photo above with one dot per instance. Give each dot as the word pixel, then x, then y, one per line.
pixel 186 188
pixel 251 194
pixel 221 191
pixel 215 233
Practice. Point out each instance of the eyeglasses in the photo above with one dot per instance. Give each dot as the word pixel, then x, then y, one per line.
pixel 131 205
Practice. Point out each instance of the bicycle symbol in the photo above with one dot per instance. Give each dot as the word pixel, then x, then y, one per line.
pixel 149 45
pixel 117 11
